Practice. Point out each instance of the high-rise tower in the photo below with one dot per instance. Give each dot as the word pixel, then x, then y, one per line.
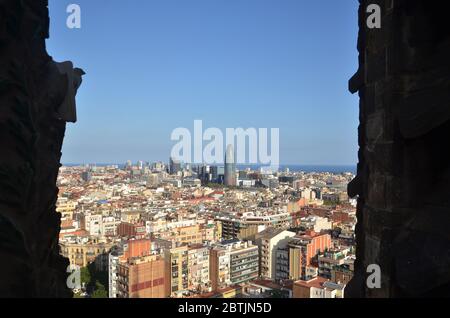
pixel 174 166
pixel 230 167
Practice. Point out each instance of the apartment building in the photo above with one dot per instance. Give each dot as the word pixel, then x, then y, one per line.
pixel 246 226
pixel 302 250
pixel 219 269
pixel 237 229
pixel 269 241
pixel 186 235
pixel 295 261
pixel 177 263
pixel 330 260
pixel 82 251
pixel 211 232
pixel 198 268
pixel 137 230
pixel 344 272
pixel 114 258
pixel 316 223
pixel 94 224
pixel 121 253
pixel 233 262
pixel 143 277
pixel 130 216
pixel 109 226
pixel 66 208
pixel 244 263
pixel 282 263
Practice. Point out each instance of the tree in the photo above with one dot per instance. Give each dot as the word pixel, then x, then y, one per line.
pixel 85 276
pixel 100 291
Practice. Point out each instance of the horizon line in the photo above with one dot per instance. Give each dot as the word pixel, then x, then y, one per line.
pixel 215 164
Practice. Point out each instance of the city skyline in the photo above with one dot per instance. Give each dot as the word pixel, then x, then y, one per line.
pixel 294 167
pixel 157 231
pixel 160 65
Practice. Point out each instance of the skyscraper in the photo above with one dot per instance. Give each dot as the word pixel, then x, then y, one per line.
pixel 218 174
pixel 86 176
pixel 230 167
pixel 174 166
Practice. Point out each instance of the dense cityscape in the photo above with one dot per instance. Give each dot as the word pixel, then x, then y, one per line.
pixel 205 223
pixel 156 230
pixel 224 157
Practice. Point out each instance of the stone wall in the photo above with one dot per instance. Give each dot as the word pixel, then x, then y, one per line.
pixel 37 98
pixel 403 179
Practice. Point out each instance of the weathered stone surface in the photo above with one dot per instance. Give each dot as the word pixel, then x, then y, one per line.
pixel 403 177
pixel 32 127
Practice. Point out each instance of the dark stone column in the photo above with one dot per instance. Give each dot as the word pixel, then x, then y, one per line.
pixel 36 100
pixel 403 179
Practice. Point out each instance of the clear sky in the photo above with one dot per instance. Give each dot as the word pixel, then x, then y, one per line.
pixel 155 65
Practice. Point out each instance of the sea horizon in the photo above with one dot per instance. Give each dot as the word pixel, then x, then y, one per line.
pixel 320 168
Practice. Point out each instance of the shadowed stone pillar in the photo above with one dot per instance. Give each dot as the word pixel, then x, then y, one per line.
pixel 403 179
pixel 37 98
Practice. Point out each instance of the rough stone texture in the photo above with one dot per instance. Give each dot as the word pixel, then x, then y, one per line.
pixel 35 98
pixel 403 179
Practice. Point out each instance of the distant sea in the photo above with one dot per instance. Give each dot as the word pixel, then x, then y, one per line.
pixel 293 168
pixel 312 168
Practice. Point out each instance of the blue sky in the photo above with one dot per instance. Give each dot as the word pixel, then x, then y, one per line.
pixel 155 65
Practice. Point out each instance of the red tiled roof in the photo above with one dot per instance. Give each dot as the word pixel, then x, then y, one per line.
pixel 315 282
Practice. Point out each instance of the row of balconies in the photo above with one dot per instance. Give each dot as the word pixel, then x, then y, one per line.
pixel 245 278
pixel 245 255
pixel 251 265
pixel 244 260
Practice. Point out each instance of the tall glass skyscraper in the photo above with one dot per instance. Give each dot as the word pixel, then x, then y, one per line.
pixel 230 167
pixel 174 166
